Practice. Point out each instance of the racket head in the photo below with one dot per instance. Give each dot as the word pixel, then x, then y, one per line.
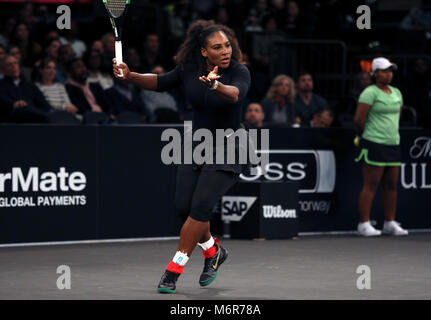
pixel 116 8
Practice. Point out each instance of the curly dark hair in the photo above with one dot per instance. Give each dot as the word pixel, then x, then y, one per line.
pixel 197 36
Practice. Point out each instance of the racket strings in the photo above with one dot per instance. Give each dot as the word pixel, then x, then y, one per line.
pixel 116 7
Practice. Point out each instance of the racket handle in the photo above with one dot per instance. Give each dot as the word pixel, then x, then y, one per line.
pixel 119 55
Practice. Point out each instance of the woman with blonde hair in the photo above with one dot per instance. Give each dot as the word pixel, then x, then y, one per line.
pixel 278 103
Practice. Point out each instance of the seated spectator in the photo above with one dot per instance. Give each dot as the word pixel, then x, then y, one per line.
pixel 30 50
pixel 254 116
pixel 127 102
pixel 159 103
pixel 418 91
pixel 51 48
pixel 20 100
pixel 294 22
pixel 307 103
pixel 70 38
pixel 90 99
pixel 108 41
pixel 419 17
pixel 55 93
pixel 16 52
pixel 98 46
pixel 93 60
pixel 133 60
pixel 278 103
pixel 323 119
pixel 263 43
pixel 65 55
pixel 152 55
pixel 2 56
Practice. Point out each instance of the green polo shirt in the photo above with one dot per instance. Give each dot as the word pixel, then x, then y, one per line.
pixel 382 123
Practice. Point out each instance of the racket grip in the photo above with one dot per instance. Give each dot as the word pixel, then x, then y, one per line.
pixel 119 55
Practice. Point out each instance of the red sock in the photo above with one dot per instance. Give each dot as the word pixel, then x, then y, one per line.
pixel 211 251
pixel 175 268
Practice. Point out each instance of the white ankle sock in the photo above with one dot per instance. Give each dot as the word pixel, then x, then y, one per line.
pixel 180 258
pixel 206 245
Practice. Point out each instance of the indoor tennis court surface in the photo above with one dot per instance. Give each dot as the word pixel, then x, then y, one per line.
pixel 310 267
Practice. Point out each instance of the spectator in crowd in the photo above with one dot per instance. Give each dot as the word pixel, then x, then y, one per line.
pixel 20 100
pixel 65 55
pixel 362 80
pixel 293 22
pixel 2 56
pixel 179 18
pixel 278 103
pixel 69 37
pixel 307 103
pixel 54 92
pixel 418 90
pixel 51 48
pixel 51 35
pixel 16 52
pixel 254 116
pixel 108 41
pixel 323 119
pixel 160 105
pixel 93 60
pixel 30 50
pixel 152 55
pixel 419 17
pixel 98 46
pixel 90 99
pixel 6 31
pixel 127 102
pixel 263 43
pixel 252 22
pixel 133 60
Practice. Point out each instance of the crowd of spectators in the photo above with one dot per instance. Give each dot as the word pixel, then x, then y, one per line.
pixel 49 75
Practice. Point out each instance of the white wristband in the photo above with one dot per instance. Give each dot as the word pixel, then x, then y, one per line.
pixel 215 85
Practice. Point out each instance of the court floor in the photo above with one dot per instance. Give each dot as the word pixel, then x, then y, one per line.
pixel 310 267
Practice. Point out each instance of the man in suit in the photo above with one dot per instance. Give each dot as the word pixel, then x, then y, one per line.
pixel 20 101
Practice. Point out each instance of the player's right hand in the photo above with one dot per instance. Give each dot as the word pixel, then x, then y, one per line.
pixel 123 67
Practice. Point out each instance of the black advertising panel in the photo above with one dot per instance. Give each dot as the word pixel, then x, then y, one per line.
pixel 48 183
pixel 136 188
pixel 261 210
pixel 278 216
pixel 61 183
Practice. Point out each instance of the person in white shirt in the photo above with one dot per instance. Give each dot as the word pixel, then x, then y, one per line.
pixel 54 92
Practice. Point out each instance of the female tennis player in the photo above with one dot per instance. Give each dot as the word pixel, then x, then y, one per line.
pixel 376 121
pixel 209 65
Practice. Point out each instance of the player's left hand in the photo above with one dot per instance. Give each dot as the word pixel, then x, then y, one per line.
pixel 210 78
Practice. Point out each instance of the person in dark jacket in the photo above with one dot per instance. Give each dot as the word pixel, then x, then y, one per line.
pixel 20 101
pixel 90 98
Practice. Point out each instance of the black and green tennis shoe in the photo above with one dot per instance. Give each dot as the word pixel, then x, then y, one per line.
pixel 212 265
pixel 168 281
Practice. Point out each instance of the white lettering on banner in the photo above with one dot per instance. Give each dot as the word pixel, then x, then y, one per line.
pixel 235 208
pixel 325 175
pixel 416 175
pixel 45 182
pixel 272 212
pixel 421 148
pixel 21 202
pixel 315 206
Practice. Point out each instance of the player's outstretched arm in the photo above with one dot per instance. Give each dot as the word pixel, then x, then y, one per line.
pixel 146 81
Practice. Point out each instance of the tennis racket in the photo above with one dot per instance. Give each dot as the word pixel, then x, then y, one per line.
pixel 117 10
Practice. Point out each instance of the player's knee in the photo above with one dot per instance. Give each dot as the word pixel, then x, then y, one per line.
pixel 182 208
pixel 201 211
